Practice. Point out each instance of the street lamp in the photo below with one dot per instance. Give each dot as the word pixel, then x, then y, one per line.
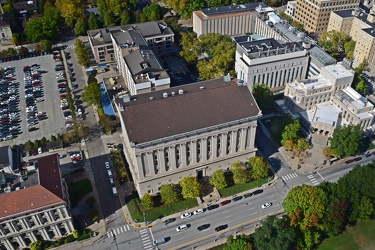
pixel 114 240
pixel 144 218
pixel 260 214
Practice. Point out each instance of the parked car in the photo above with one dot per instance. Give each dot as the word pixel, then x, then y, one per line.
pixel 107 166
pixel 213 207
pixel 182 228
pixel 348 161
pixel 223 203
pixel 186 215
pixel 198 211
pixel 203 227
pixel 221 227
pixel 237 198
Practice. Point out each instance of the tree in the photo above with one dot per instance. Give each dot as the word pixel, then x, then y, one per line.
pixel 92 94
pixel 36 245
pixel 191 6
pixel 176 5
pixel 327 152
pixel 259 167
pixel 240 173
pixel 107 122
pixel 82 55
pixel 361 67
pixel 242 242
pixel 264 97
pixel 217 179
pixel 53 138
pixel 16 39
pixel 361 87
pixel 191 188
pixel 75 234
pixel 70 9
pixel 217 3
pixel 349 49
pixel 124 17
pixel 152 12
pixel 168 194
pixel 81 26
pixel 301 145
pixel 335 217
pixel 147 201
pixel 92 22
pixel 45 45
pixel 189 52
pixel 34 29
pixel 333 41
pixel 291 132
pixel 297 24
pixel 51 20
pixel 346 140
pixel 275 234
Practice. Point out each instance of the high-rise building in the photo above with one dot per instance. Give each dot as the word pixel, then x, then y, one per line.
pixel 314 14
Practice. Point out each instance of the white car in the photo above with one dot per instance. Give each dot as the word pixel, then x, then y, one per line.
pixel 198 211
pixel 186 215
pixel 265 205
pixel 79 112
pixel 107 166
pixel 181 228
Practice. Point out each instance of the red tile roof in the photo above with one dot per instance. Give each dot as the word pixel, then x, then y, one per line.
pixel 27 199
pixel 203 104
pixel 50 175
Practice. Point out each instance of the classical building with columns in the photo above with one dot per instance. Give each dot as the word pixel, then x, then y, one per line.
pixel 32 214
pixel 190 130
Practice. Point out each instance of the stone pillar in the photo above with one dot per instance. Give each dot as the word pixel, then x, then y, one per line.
pixel 37 220
pixel 194 153
pixel 183 155
pixel 8 244
pixel 20 241
pixel 69 226
pixel 150 159
pixel 32 236
pixel 252 135
pixel 243 139
pixel 10 227
pixel 204 149
pixel 161 161
pixel 140 166
pixel 25 223
pixel 57 231
pixel 233 142
pixel 224 144
pixel 214 146
pixel 172 157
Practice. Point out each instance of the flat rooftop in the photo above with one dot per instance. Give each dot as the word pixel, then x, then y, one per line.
pixel 326 113
pixel 233 9
pixel 338 71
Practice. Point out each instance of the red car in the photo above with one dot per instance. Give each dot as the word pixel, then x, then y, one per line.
pixel 10 79
pixel 63 96
pixel 35 84
pixel 223 203
pixel 349 161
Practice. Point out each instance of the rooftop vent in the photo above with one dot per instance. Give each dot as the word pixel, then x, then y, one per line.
pixel 151 98
pixel 173 93
pixel 201 87
pixel 180 92
pixel 165 94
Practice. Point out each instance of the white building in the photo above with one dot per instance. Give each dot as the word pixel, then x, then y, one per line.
pixel 269 62
pixel 291 5
pixel 191 130
pixel 328 101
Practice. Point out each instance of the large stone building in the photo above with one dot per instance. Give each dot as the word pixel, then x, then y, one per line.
pixel 157 34
pixel 191 130
pixel 34 205
pixel 360 26
pixel 314 14
pixel 227 20
pixel 269 61
pixel 137 63
pixel 327 101
pixel 291 5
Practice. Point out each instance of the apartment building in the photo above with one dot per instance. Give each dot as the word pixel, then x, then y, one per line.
pixel 270 62
pixel 34 205
pixel 157 34
pixel 137 63
pixel 314 14
pixel 360 26
pixel 227 20
pixel 191 130
pixel 327 101
pixel 291 5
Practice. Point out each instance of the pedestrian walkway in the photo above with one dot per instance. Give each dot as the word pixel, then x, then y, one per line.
pixel 313 180
pixel 71 46
pixel 116 231
pixel 289 176
pixel 146 241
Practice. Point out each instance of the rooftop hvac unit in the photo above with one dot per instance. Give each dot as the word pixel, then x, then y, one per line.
pixel 173 93
pixel 201 88
pixel 151 98
pixel 165 95
pixel 180 92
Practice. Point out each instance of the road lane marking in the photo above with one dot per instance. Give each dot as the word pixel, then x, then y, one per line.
pixel 228 217
pixel 118 231
pixel 225 212
pixel 201 220
pixel 254 213
pixel 121 230
pixel 321 176
pixel 125 229
pixel 269 197
pixel 128 227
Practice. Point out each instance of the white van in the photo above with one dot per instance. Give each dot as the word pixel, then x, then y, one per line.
pixel 114 191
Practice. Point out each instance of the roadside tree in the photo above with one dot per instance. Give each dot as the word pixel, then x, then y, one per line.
pixel 92 22
pixel 91 94
pixel 240 173
pixel 190 187
pixel 217 179
pixel 36 245
pixel 168 194
pixel 45 45
pixel 346 140
pixel 81 26
pixel 241 242
pixel 51 20
pixel 259 167
pixel 327 152
pixel 147 201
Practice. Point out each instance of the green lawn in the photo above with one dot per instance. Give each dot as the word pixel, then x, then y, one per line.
pixel 242 187
pixel 361 236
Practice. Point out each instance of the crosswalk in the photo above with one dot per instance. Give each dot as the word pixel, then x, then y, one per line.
pixel 146 241
pixel 313 180
pixel 71 46
pixel 289 176
pixel 116 231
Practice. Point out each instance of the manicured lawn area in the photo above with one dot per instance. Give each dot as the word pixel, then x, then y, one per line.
pixel 158 212
pixel 242 187
pixel 361 236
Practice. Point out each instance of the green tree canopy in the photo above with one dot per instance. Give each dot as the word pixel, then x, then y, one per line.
pixel 333 41
pixel 242 242
pixel 240 173
pixel 176 5
pixel 71 10
pixel 361 87
pixel 275 234
pixel 147 201
pixel 34 29
pixel 217 179
pixel 36 245
pixel 45 44
pixel 264 97
pixel 346 140
pixel 291 132
pixel 92 22
pixel 191 6
pixel 349 49
pixel 82 54
pixel 51 20
pixel 81 26
pixel 168 194
pixel 92 94
pixel 152 12
pixel 190 187
pixel 259 167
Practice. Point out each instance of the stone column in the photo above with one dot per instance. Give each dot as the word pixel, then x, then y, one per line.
pixel 252 135
pixel 204 149
pixel 57 231
pixel 172 157
pixel 224 144
pixel 194 153
pixel 233 142
pixel 161 161
pixel 11 227
pixel 183 154
pixel 214 146
pixel 25 223
pixel 150 160
pixel 8 244
pixel 37 220
pixel 44 234
pixel 69 226
pixel 140 166
pixel 32 236
pixel 243 139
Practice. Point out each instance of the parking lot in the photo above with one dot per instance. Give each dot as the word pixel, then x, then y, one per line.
pixel 37 100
